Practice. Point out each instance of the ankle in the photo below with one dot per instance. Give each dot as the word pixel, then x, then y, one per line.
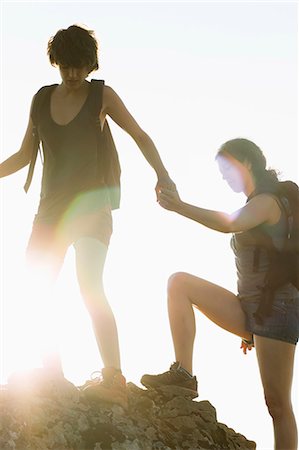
pixel 111 371
pixel 182 369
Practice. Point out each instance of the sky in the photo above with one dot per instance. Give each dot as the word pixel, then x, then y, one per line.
pixel 193 74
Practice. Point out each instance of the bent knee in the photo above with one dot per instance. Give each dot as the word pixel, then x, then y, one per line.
pixel 176 282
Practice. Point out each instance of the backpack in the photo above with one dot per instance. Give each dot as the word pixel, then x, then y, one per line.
pixel 284 263
pixel 107 156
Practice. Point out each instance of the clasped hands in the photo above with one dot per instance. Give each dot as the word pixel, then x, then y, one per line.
pixel 167 194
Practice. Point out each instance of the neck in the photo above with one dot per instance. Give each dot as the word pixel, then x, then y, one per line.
pixel 249 187
pixel 73 90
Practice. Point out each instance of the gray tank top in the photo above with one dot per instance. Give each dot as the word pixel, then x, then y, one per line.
pixel 250 279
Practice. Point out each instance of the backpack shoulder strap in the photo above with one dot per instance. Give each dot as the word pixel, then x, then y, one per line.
pixel 97 87
pixel 107 155
pixel 36 106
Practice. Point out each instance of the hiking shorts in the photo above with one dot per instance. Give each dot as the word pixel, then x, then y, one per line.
pixel 283 322
pixel 51 237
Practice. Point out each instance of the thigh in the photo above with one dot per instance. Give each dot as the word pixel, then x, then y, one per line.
pixel 276 364
pixel 217 303
pixel 45 251
pixel 89 217
pixel 90 259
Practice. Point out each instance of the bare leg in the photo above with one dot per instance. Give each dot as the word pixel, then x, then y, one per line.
pixel 42 273
pixel 90 260
pixel 215 302
pixel 276 362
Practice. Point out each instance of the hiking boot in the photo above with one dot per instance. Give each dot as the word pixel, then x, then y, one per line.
pixel 176 376
pixel 108 385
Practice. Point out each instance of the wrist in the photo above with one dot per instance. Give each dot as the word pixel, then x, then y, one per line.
pixel 163 174
pixel 179 207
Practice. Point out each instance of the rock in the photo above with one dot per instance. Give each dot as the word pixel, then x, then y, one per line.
pixel 38 413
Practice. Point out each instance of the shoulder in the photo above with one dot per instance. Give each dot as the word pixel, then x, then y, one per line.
pixel 100 86
pixel 265 198
pixel 270 204
pixel 111 101
pixel 109 92
pixel 38 100
pixel 45 89
pixel 41 93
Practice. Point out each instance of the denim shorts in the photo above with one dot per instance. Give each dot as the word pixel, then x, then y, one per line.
pixel 282 324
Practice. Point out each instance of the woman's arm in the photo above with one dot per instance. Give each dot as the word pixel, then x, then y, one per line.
pixel 22 157
pixel 261 209
pixel 115 108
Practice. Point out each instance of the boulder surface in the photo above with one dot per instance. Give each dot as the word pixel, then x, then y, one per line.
pixel 37 413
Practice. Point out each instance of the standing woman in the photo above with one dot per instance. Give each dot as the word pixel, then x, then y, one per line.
pixel 273 332
pixel 75 206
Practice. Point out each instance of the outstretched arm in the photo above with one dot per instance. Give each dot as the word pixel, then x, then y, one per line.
pixel 22 157
pixel 261 209
pixel 115 108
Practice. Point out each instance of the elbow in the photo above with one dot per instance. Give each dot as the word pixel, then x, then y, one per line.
pixel 227 230
pixel 24 157
pixel 23 161
pixel 224 229
pixel 231 227
pixel 226 224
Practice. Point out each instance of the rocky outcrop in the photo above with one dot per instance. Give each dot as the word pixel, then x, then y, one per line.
pixel 41 414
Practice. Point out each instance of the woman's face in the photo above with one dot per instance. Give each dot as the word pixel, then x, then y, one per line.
pixel 73 77
pixel 236 174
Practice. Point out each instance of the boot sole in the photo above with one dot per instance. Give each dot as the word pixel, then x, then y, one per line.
pixel 168 390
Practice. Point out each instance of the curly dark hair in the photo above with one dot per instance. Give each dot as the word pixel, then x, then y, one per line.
pixel 74 47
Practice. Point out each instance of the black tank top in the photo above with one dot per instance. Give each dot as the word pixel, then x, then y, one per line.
pixel 70 158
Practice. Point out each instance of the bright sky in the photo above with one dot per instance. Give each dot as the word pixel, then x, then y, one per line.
pixel 193 74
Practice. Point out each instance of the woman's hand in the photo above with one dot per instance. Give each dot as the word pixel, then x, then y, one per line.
pixel 246 345
pixel 169 199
